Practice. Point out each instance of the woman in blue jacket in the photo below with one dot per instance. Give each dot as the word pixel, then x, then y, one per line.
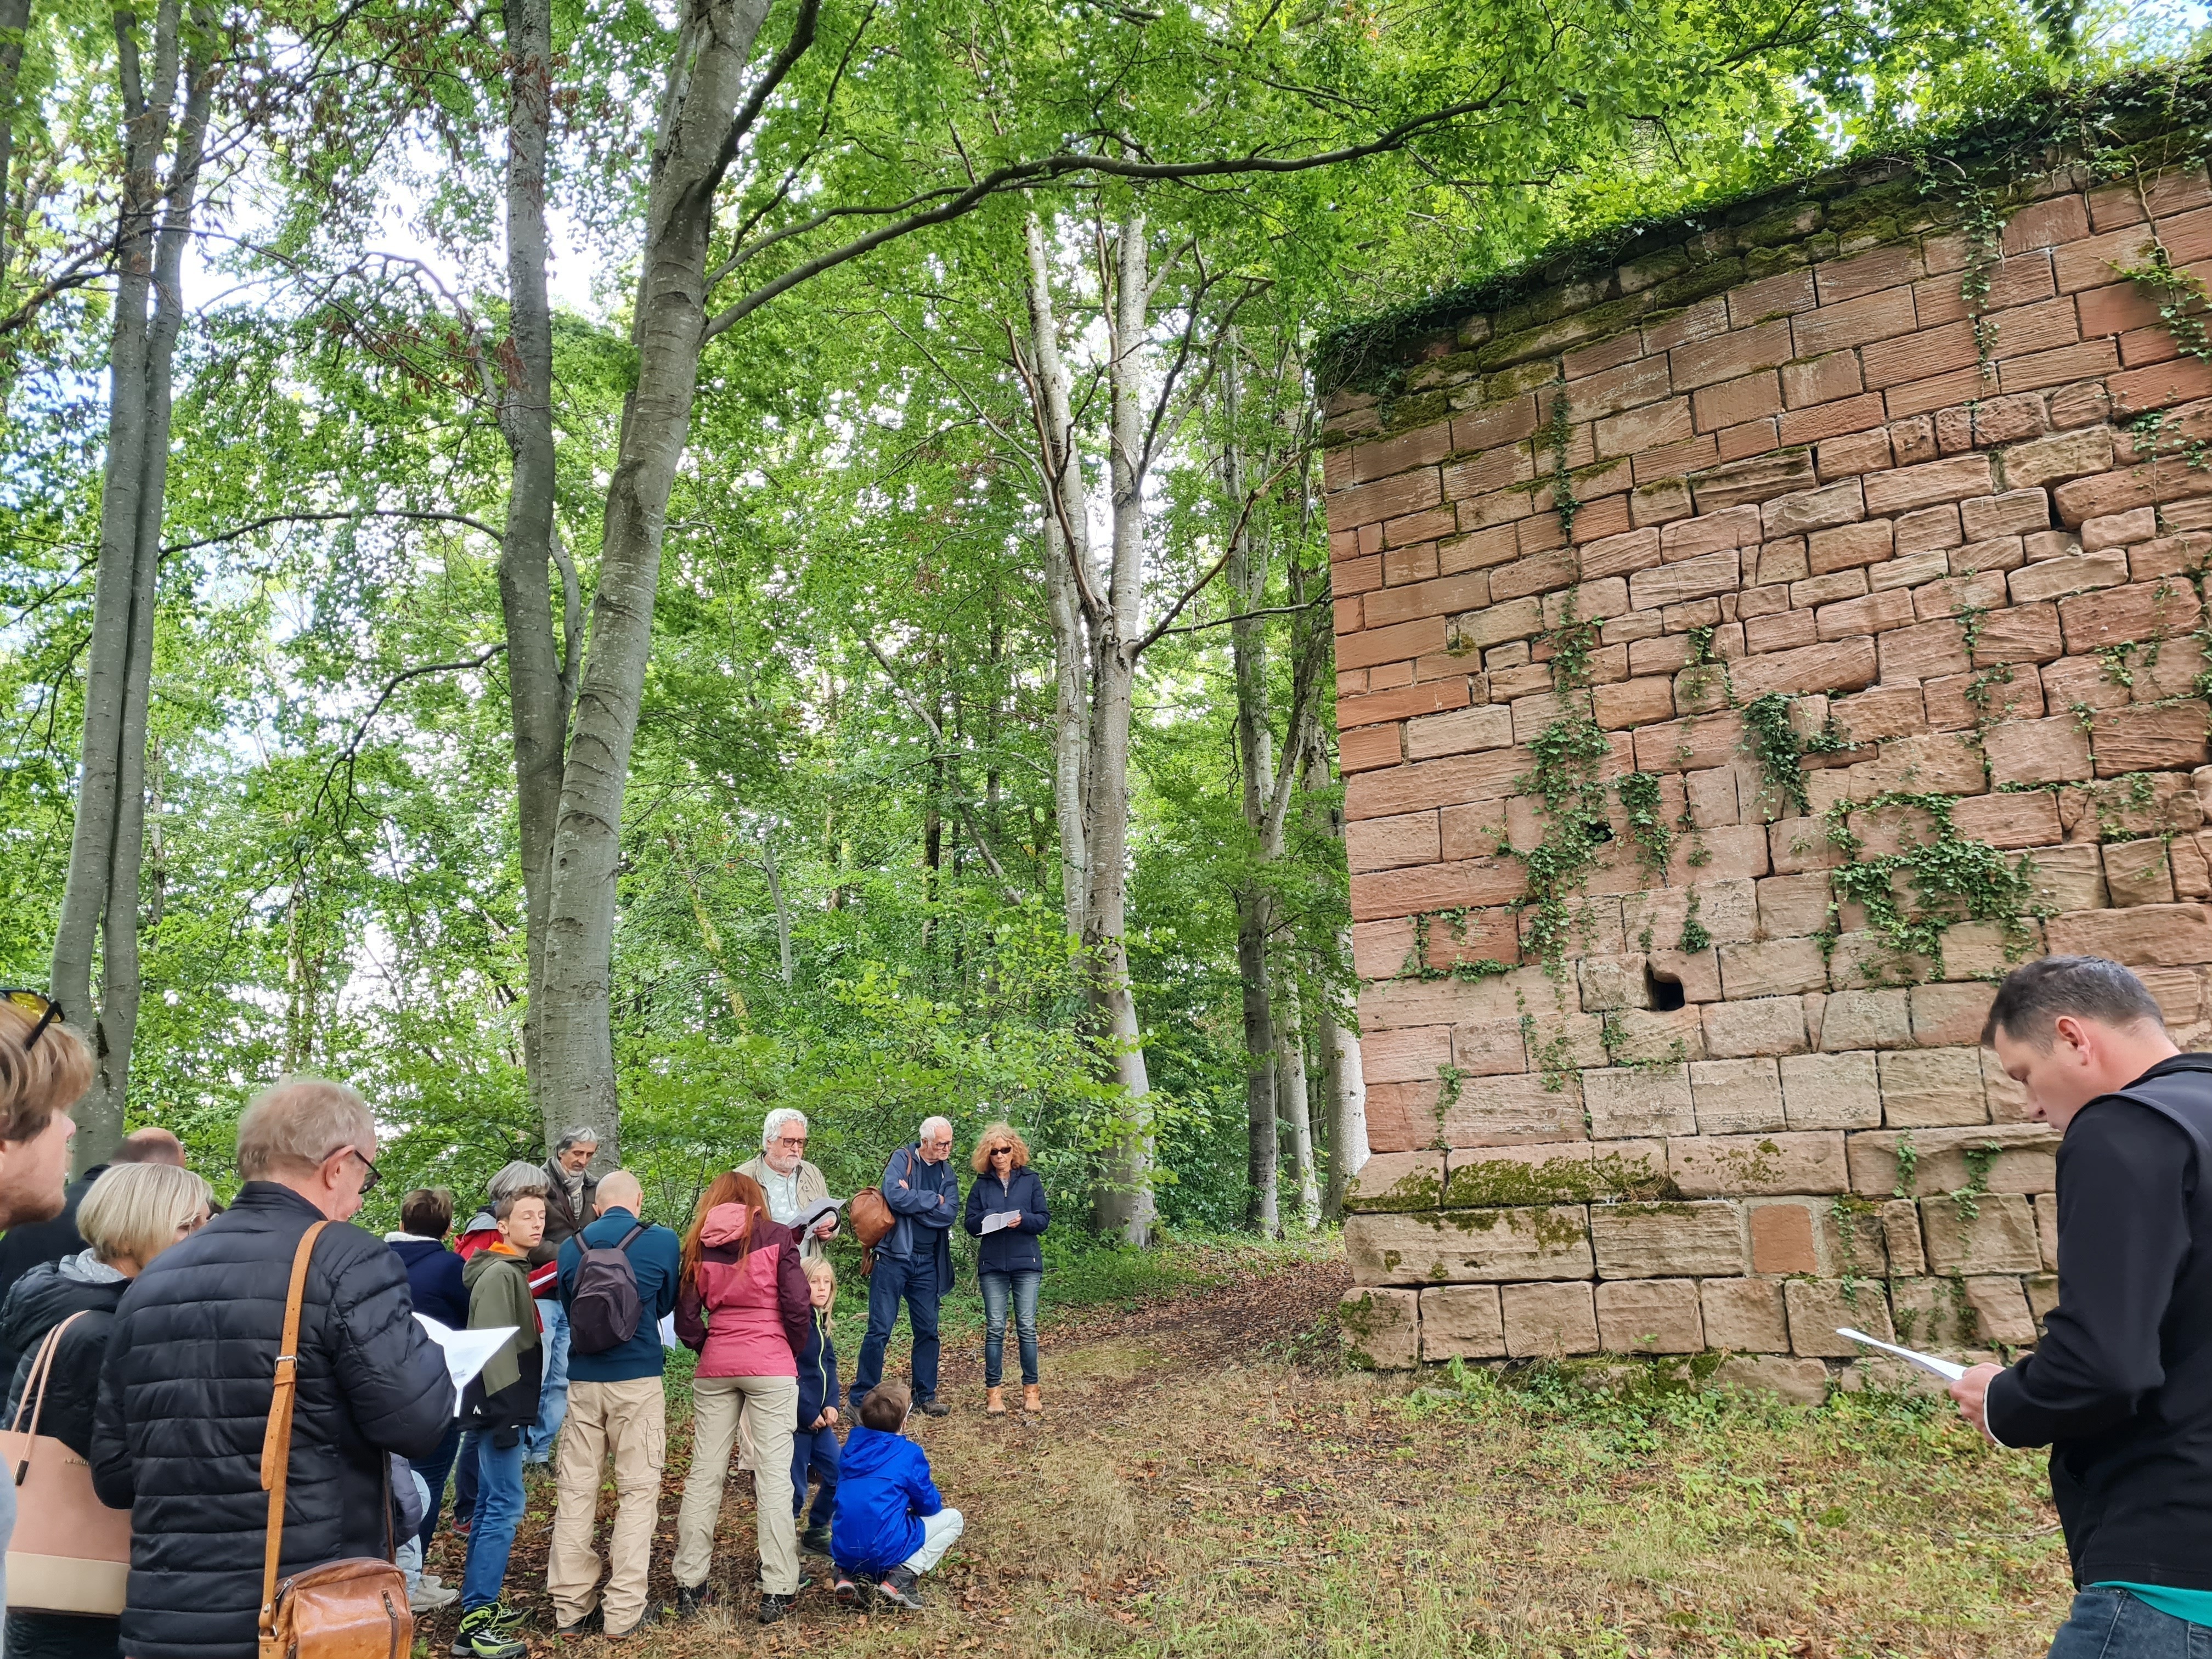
pixel 1011 1265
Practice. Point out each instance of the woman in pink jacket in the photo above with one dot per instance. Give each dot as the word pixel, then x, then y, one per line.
pixel 742 1306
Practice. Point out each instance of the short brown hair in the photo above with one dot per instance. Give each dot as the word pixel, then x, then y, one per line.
pixel 2035 993
pixel 36 1082
pixel 993 1136
pixel 427 1212
pixel 503 1205
pixel 885 1409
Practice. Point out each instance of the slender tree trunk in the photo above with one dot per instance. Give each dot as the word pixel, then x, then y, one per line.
pixel 698 115
pixel 14 23
pixel 1291 1069
pixel 1347 1085
pixel 776 897
pixel 100 895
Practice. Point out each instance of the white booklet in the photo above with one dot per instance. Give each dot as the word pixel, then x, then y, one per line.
pixel 467 1352
pixel 1001 1220
pixel 1927 1362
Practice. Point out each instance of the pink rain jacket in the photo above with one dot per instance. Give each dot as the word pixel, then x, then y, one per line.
pixel 744 1314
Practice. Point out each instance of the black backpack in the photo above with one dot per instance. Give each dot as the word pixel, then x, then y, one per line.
pixel 603 1315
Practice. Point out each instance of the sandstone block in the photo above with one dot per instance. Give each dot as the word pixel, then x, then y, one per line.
pixel 1727 910
pixel 1736 1097
pixel 1735 1166
pixel 2019 632
pixel 1469 1246
pixel 2038 751
pixel 1565 1172
pixel 1665 1241
pixel 1461 1321
pixel 1765 1025
pixel 1649 1316
pixel 1548 1321
pixel 1905 487
pixel 1505 1111
pixel 2002 1308
pixel 1929 1088
pixel 2119 529
pixel 2007 1100
pixel 2009 1158
pixel 1814 509
pixel 1459 732
pixel 1864 1019
pixel 1998 1238
pixel 1744 1314
pixel 2013 514
pixel 1696 973
pixel 2010 822
pixel 2065 878
pixel 2042 1297
pixel 2149 739
pixel 1655 1039
pixel 1793 907
pixel 1933 1314
pixel 1782 1238
pixel 1382 1327
pixel 1397 1181
pixel 1623 1102
pixel 2064 455
pixel 2046 1228
pixel 2053 579
pixel 1800 1382
pixel 1609 982
pixel 2141 610
pixel 1949 1016
pixel 1772 968
pixel 2139 873
pixel 1818 1306
pixel 1839 666
pixel 2148 935
pixel 1829 1092
pixel 1899 1219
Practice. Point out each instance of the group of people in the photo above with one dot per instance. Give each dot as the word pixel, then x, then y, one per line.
pixel 145 1321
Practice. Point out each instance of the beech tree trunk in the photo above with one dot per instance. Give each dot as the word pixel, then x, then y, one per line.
pixel 15 22
pixel 100 896
pixel 1347 1087
pixel 1291 1069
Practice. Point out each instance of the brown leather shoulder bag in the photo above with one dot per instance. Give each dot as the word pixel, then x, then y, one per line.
pixel 351 1609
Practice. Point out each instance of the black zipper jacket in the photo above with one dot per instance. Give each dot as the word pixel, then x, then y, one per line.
pixel 2120 1387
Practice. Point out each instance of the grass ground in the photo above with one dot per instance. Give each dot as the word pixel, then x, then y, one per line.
pixel 1206 1481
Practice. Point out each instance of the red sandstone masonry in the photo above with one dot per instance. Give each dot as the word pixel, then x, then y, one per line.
pixel 1952 544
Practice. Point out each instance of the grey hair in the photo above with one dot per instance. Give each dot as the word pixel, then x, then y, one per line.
pixel 776 1120
pixel 299 1123
pixel 929 1123
pixel 514 1179
pixel 582 1135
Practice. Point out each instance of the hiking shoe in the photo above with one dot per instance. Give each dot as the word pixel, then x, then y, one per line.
pixel 773 1608
pixel 650 1616
pixel 481 1638
pixel 427 1597
pixel 898 1588
pixel 852 1594
pixel 933 1406
pixel 505 1617
pixel 587 1624
pixel 690 1598
pixel 815 1540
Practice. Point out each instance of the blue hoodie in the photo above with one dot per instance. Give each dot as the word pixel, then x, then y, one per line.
pixel 884 1493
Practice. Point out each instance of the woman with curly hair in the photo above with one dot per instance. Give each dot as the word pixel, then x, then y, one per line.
pixel 1006 1209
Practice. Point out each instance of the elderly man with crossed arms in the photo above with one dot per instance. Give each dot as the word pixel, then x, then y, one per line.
pixel 793 1185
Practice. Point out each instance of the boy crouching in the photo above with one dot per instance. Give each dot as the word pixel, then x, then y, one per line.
pixel 890 1526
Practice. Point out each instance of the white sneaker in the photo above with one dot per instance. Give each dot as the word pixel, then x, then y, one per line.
pixel 428 1597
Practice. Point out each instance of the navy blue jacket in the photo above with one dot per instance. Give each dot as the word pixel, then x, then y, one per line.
pixel 817 1371
pixel 882 1495
pixel 1011 1249
pixel 653 1257
pixel 434 1280
pixel 926 1207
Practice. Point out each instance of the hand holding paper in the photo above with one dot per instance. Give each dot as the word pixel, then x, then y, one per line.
pixel 1001 1220
pixel 1927 1362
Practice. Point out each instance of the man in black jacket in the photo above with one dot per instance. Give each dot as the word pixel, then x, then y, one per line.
pixel 2120 1387
pixel 184 1395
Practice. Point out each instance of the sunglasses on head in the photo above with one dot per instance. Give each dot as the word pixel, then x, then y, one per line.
pixel 35 1004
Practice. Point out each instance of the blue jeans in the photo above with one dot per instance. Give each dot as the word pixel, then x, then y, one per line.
pixel 1023 1288
pixel 464 1481
pixel 916 1283
pixel 2110 1624
pixel 817 1451
pixel 491 1532
pixel 434 1470
pixel 553 1391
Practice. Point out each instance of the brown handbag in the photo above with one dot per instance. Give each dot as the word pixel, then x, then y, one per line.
pixel 71 1552
pixel 351 1609
pixel 870 1213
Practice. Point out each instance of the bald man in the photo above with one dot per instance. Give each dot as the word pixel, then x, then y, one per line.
pixel 616 1409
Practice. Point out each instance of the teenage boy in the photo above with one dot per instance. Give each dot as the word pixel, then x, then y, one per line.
pixel 500 1407
pixel 2120 1387
pixel 890 1525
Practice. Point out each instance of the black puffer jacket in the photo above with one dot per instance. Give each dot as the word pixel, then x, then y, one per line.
pixel 39 1300
pixel 184 1403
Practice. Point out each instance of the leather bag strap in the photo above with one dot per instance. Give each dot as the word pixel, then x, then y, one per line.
pixel 34 1398
pixel 276 1444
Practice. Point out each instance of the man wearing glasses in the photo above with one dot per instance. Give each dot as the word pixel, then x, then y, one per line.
pixel 793 1185
pixel 914 1262
pixel 183 1397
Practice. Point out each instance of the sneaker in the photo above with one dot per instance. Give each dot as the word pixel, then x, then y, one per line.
pixel 481 1638
pixel 933 1406
pixel 806 1582
pixel 815 1540
pixel 899 1588
pixel 428 1597
pixel 690 1598
pixel 586 1625
pixel 852 1594
pixel 506 1617
pixel 650 1616
pixel 773 1608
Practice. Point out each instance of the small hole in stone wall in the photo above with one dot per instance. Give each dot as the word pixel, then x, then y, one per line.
pixel 1598 831
pixel 1666 990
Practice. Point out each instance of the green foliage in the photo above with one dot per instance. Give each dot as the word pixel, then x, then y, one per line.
pixel 1773 742
pixel 1911 896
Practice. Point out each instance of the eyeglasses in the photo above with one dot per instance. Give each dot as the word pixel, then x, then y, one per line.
pixel 367 1182
pixel 1002 1152
pixel 799 1141
pixel 35 1005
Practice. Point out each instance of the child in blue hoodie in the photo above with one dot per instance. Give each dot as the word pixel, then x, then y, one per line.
pixel 890 1526
pixel 814 1441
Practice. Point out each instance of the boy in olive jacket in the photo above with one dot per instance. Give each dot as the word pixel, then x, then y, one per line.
pixel 501 1406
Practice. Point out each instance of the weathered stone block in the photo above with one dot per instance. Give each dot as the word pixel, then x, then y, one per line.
pixel 2139 873
pixel 2064 878
pixel 1548 1321
pixel 1396 1181
pixel 1736 1166
pixel 1998 1238
pixel 2004 1157
pixel 1784 1239
pixel 1736 1097
pixel 1765 1025
pixel 1832 1090
pixel 1899 1220
pixel 2038 751
pixel 1744 1314
pixel 2001 1308
pixel 1772 968
pixel 1461 1321
pixel 1819 1306
pixel 2146 936
pixel 1727 910
pixel 1663 1241
pixel 1793 907
pixel 1927 1088
pixel 1505 1111
pixel 1933 1314
pixel 1567 1172
pixel 1624 1101
pixel 1866 1019
pixel 1801 1382
pixel 1649 1316
pixel 1382 1327
pixel 2046 1228
pixel 1444 1247
pixel 1949 1016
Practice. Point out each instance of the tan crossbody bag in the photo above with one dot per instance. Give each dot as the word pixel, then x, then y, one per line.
pixel 351 1609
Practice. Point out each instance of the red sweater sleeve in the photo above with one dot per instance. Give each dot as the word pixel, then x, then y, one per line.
pixel 794 1296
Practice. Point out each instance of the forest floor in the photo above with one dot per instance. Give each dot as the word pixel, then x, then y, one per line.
pixel 1208 1480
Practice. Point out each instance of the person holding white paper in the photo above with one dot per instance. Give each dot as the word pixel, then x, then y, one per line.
pixel 2120 1387
pixel 1006 1210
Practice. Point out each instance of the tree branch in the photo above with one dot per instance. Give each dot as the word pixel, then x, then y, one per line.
pixel 351 751
pixel 253 524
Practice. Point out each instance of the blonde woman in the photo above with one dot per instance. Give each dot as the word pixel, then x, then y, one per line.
pixel 132 1213
pixel 1010 1267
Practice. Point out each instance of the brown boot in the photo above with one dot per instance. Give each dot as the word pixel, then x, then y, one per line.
pixel 1032 1400
pixel 994 1403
